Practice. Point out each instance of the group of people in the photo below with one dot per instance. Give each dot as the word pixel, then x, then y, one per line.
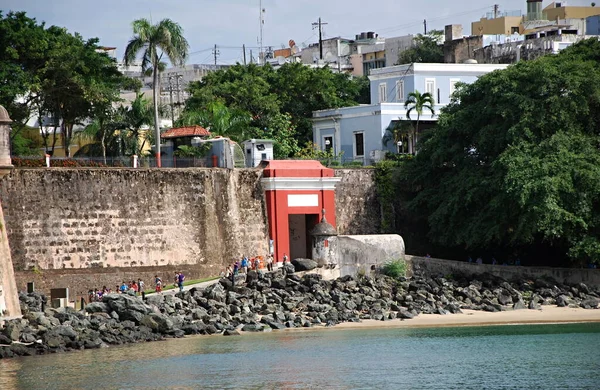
pixel 177 281
pixel 257 263
pixel 137 287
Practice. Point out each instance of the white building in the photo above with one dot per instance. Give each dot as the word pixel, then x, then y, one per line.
pixel 358 131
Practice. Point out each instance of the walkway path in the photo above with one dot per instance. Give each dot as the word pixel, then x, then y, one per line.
pixel 188 287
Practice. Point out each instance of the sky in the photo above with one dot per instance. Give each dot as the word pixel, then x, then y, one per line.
pixel 231 23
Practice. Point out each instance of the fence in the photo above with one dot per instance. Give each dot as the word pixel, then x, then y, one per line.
pixel 119 162
pixel 150 162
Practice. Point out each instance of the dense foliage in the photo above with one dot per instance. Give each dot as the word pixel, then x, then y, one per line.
pixel 514 162
pixel 48 72
pixel 279 102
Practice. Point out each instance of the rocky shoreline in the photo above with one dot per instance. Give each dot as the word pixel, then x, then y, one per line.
pixel 276 300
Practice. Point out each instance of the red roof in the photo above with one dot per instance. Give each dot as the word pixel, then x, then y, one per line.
pixel 189 131
pixel 296 168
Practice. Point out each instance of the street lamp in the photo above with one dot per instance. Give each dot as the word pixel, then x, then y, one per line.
pixel 399 143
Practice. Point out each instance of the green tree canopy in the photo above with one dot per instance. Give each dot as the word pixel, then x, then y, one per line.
pixel 278 100
pixel 426 48
pixel 515 163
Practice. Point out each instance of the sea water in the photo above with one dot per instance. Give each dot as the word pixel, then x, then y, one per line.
pixel 565 356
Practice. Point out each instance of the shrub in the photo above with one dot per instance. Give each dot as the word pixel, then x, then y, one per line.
pixel 394 268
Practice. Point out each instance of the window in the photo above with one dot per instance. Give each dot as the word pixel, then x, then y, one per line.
pixel 438 95
pixel 382 93
pixel 453 86
pixel 400 91
pixel 359 144
pixel 327 143
pixel 430 86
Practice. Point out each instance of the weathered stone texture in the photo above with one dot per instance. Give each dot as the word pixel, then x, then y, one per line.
pixel 358 210
pixel 85 218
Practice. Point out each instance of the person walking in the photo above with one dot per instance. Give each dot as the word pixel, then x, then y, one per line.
pixel 270 263
pixel 180 279
pixel 245 265
pixel 158 284
pixel 141 286
pixel 285 258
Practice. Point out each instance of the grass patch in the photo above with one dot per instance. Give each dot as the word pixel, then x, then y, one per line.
pixel 171 286
pixel 394 268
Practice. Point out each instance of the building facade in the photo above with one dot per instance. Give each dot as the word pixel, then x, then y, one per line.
pixel 357 133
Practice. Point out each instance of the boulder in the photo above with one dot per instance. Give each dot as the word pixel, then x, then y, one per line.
pixel 231 332
pixel 157 322
pixel 304 264
pixel 97 307
pixel 590 303
pixel 288 268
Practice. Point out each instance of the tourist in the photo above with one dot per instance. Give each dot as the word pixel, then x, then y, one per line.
pixel 134 287
pixel 257 263
pixel 180 280
pixel 141 285
pixel 176 280
pixel 123 288
pixel 158 284
pixel 494 261
pixel 285 258
pixel 270 263
pixel 479 260
pixel 228 271
pixel 470 260
pixel 518 261
pixel 428 256
pixel 245 265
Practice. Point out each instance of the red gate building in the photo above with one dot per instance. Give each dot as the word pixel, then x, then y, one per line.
pixel 296 193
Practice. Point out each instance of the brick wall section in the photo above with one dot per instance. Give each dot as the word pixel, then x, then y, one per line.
pixel 94 218
pixel 358 210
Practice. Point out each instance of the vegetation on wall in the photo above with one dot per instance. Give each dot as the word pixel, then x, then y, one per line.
pixel 426 48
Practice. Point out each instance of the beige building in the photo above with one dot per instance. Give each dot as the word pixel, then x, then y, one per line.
pixel 560 10
pixel 507 25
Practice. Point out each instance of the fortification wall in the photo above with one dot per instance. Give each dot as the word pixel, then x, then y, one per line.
pixel 89 227
pixel 357 206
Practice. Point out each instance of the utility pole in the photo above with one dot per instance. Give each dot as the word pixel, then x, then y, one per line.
pixel 244 49
pixel 215 53
pixel 496 8
pixel 425 26
pixel 320 25
pixel 251 57
pixel 179 77
pixel 171 100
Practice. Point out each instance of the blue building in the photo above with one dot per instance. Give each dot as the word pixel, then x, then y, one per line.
pixel 357 132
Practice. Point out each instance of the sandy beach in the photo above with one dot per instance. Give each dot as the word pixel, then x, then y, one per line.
pixel 548 314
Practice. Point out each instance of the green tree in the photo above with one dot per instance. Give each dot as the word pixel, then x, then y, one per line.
pixel 134 119
pixel 514 160
pixel 219 120
pixel 271 97
pixel 155 41
pixel 417 102
pixel 426 48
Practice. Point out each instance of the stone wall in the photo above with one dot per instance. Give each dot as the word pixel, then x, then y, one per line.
pixel 96 218
pixel 357 206
pixel 440 267
pixel 357 253
pixel 89 227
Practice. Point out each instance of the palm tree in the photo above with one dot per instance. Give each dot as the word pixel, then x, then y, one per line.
pixel 219 120
pixel 164 38
pixel 418 102
pixel 134 119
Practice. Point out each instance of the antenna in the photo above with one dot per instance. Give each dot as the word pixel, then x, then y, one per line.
pixel 262 23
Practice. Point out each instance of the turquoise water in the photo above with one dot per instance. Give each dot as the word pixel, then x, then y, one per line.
pixel 563 356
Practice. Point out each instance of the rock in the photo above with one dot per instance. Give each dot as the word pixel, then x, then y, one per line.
pixel 253 328
pixel 590 303
pixel 505 298
pixel 157 322
pixel 97 307
pixel 519 305
pixel 304 264
pixel 562 301
pixel 533 305
pixel 279 283
pixel 12 329
pixel 288 268
pixel 231 332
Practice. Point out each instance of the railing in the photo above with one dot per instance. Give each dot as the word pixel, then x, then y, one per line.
pixel 101 162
